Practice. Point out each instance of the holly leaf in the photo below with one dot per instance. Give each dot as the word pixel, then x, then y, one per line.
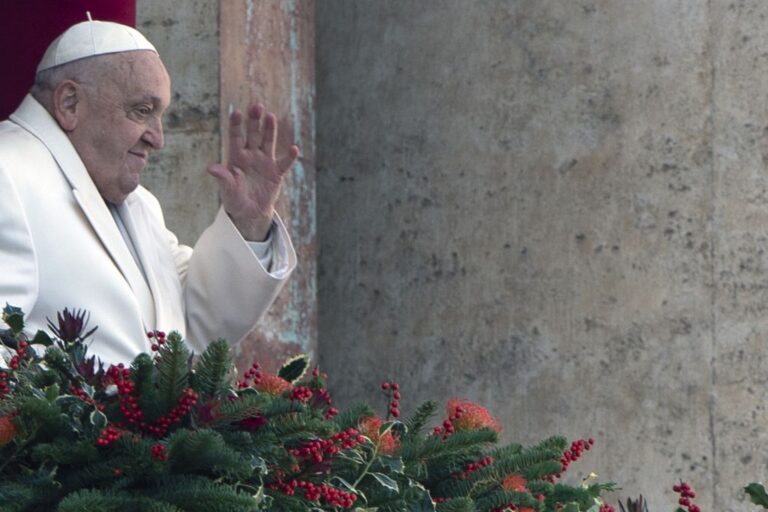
pixel 393 464
pixel 42 338
pixel 98 419
pixel 386 482
pixel 757 494
pixel 294 368
pixel 14 317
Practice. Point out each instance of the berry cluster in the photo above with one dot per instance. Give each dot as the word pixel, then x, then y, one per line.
pixel 108 436
pixel 21 352
pixel 253 374
pixel 393 390
pixel 318 450
pixel 159 452
pixel 607 508
pixel 287 488
pixel 686 495
pixel 448 428
pixel 571 455
pixel 130 407
pixel 159 339
pixel 301 394
pixel 515 508
pixel 186 402
pixel 5 388
pixel 322 398
pixel 82 395
pixel 330 495
pixel 472 467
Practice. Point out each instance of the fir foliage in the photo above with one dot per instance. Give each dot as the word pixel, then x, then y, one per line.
pixel 71 440
pixel 212 370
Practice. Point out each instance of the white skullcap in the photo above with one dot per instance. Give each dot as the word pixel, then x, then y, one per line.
pixel 91 38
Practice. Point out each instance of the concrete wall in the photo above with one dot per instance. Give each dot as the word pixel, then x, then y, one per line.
pixel 222 54
pixel 557 208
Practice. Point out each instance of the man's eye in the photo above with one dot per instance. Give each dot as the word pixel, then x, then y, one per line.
pixel 143 111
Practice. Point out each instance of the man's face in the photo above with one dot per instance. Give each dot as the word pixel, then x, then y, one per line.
pixel 121 121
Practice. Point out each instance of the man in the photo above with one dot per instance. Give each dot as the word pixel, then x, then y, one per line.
pixel 77 229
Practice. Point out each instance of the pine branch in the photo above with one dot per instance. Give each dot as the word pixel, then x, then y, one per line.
pixel 145 380
pixel 204 451
pixel 199 494
pixel 172 370
pixel 420 418
pixel 457 505
pixel 351 417
pixel 212 370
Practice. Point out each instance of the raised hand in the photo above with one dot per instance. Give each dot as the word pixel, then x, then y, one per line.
pixel 250 182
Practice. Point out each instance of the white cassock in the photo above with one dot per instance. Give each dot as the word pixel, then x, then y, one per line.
pixel 60 246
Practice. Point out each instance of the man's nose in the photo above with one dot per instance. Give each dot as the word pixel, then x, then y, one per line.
pixel 154 135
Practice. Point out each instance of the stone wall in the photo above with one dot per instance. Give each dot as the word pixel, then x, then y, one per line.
pixel 557 208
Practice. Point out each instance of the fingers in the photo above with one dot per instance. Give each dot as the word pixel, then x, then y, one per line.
pixel 288 160
pixel 270 135
pixel 220 172
pixel 255 113
pixel 236 139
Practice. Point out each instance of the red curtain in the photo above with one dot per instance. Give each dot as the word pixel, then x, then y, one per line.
pixel 29 26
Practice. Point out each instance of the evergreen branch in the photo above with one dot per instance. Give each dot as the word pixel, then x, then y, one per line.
pixel 457 505
pixel 212 370
pixel 172 370
pixel 419 419
pixel 351 417
pixel 204 451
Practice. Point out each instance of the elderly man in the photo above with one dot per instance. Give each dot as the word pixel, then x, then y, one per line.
pixel 77 229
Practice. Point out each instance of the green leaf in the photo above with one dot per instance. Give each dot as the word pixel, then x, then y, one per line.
pixel 757 494
pixel 52 392
pixel 393 464
pixel 294 368
pixel 14 317
pixel 98 419
pixel 386 481
pixel 42 338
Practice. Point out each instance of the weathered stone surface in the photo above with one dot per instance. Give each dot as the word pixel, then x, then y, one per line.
pixel 188 42
pixel 267 55
pixel 523 203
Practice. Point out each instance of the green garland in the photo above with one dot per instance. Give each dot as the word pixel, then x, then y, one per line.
pixel 164 434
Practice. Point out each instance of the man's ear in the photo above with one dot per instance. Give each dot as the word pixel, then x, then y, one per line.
pixel 67 104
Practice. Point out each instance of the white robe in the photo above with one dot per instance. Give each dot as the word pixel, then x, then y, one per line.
pixel 60 247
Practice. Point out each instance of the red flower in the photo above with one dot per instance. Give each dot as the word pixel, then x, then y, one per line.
pixel 7 430
pixel 515 482
pixel 370 426
pixel 470 416
pixel 272 384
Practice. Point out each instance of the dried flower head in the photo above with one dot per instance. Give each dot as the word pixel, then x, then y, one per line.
pixel 7 430
pixel 272 384
pixel 388 444
pixel 515 482
pixel 471 416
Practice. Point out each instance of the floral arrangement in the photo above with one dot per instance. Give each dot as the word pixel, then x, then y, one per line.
pixel 173 433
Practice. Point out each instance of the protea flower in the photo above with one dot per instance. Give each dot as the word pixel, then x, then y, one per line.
pixel 71 325
pixel 471 416
pixel 638 505
pixel 370 426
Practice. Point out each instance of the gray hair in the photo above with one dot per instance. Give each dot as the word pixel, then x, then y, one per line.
pixel 78 71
